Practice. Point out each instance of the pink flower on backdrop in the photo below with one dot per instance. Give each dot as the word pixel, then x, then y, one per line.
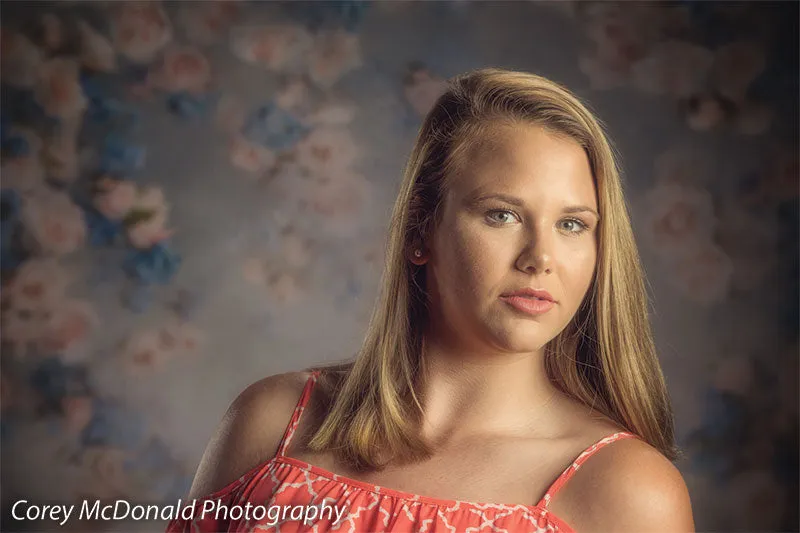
pixel 52 224
pixel 140 30
pixel 341 202
pixel 703 274
pixel 676 217
pixel 19 59
pixel 276 47
pixel 286 287
pixel 115 198
pixel 78 411
pixel 145 352
pixel 182 69
pixel 736 65
pixel 327 151
pixel 422 89
pixel 181 338
pixel 58 89
pixel 335 53
pixel 144 234
pixel 20 328
pixel 206 23
pixel 674 68
pixel 704 112
pixel 254 270
pixel 96 52
pixel 251 157
pixel 37 284
pixel 68 328
pixel 61 152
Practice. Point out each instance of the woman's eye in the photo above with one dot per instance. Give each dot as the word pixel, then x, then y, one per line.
pixel 575 226
pixel 507 216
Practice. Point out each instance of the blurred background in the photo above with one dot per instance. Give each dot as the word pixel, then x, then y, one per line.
pixel 195 195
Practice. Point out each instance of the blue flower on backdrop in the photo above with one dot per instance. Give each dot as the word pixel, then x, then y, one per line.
pixel 155 265
pixel 274 128
pixel 22 107
pixel 154 457
pixel 54 380
pixel 113 425
pixel 191 106
pixel 11 254
pixel 104 110
pixel 120 157
pixel 102 231
pixel 348 14
pixel 13 144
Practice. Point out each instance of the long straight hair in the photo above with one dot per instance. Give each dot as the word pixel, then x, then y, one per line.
pixel 605 357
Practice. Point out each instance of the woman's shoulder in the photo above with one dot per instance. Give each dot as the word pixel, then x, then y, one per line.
pixel 632 487
pixel 250 430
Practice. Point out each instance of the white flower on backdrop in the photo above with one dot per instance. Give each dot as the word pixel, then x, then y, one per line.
pixel 334 54
pixel 422 88
pixel 53 224
pixel 19 60
pixel 676 217
pixel 58 89
pixel 140 30
pixel 276 47
pixel 206 23
pixel 68 328
pixel 674 68
pixel 182 68
pixel 703 273
pixel 96 52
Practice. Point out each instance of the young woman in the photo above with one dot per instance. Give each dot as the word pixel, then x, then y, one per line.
pixel 508 380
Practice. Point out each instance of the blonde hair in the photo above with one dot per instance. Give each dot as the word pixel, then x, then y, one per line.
pixel 605 357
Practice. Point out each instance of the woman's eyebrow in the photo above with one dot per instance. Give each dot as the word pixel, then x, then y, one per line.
pixel 513 200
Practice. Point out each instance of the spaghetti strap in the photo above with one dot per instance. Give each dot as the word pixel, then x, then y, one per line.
pixel 298 411
pixel 576 464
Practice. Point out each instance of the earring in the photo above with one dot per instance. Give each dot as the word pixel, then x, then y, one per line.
pixel 418 253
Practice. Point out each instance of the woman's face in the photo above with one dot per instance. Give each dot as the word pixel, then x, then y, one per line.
pixel 520 213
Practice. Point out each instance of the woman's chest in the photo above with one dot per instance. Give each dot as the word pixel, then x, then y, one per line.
pixel 490 473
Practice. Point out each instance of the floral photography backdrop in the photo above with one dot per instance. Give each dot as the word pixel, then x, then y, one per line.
pixel 195 195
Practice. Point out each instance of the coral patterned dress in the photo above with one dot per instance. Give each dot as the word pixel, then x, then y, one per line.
pixel 286 482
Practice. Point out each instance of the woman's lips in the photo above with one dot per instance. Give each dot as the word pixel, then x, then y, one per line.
pixel 529 305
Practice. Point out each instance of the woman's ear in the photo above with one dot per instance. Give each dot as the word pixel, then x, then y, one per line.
pixel 418 255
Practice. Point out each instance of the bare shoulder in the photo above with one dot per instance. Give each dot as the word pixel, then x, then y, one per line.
pixel 249 432
pixel 627 486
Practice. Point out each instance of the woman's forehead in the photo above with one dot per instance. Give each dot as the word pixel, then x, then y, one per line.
pixel 523 157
